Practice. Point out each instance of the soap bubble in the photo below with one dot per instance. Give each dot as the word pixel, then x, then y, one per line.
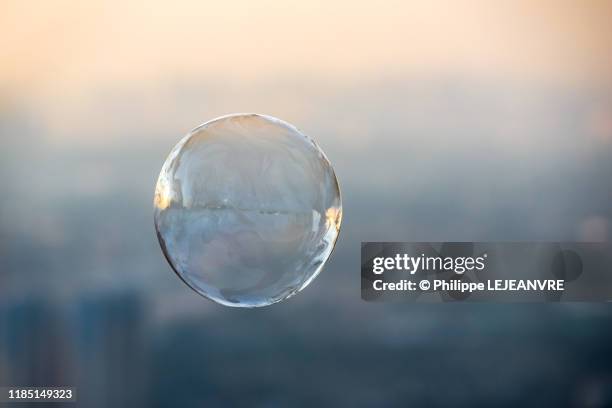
pixel 247 210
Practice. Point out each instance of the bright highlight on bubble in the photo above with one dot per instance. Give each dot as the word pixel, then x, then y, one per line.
pixel 247 210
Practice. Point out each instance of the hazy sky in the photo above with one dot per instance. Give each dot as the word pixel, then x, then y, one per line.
pixel 119 64
pixel 73 45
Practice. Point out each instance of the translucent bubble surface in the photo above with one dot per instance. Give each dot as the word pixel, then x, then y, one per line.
pixel 247 210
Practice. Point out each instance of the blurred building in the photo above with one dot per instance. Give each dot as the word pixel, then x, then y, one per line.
pixel 34 349
pixel 111 344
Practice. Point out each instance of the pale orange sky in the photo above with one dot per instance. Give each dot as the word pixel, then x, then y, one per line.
pixel 73 46
pixel 73 63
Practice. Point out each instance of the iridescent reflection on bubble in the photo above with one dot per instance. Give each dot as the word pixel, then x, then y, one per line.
pixel 247 210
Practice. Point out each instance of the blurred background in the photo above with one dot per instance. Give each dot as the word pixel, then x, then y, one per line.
pixel 445 120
